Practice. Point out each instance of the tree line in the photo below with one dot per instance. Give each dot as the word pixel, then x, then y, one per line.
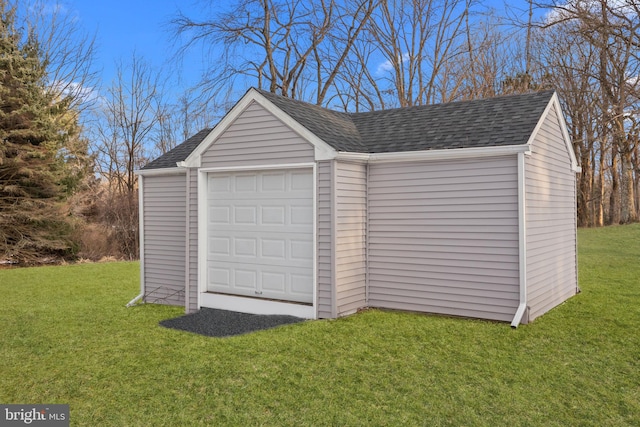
pixel 70 146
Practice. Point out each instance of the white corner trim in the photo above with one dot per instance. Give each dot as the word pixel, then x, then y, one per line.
pixel 323 151
pixel 203 219
pixel 315 240
pixel 522 242
pixel 141 231
pixel 446 154
pixel 161 172
pixel 187 242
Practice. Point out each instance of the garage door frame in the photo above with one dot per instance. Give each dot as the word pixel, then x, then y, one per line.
pixel 240 303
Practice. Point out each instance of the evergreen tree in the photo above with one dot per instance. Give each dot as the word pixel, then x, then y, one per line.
pixel 41 154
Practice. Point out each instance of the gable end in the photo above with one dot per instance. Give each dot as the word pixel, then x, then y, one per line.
pixel 322 150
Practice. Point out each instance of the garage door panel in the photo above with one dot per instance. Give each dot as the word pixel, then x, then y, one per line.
pixel 274 182
pixel 274 282
pixel 219 278
pixel 273 249
pixel 245 215
pixel 301 181
pixel 219 246
pixel 261 184
pixel 248 214
pixel 220 215
pixel 296 249
pixel 300 250
pixel 267 281
pixel 245 279
pixel 245 247
pixel 300 283
pixel 260 234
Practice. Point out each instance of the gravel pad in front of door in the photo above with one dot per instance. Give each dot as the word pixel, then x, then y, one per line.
pixel 222 323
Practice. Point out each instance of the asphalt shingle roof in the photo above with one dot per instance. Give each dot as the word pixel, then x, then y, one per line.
pixel 506 120
pixel 178 153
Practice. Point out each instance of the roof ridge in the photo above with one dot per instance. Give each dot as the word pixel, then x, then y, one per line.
pixel 496 121
pixel 457 102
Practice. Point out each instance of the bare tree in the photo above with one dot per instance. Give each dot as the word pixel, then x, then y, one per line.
pixel 130 120
pixel 67 52
pixel 593 62
pixel 417 39
pixel 130 114
pixel 291 47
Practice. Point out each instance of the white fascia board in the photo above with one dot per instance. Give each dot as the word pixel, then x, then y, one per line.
pixel 323 151
pixel 555 102
pixel 359 157
pixel 452 153
pixel 161 172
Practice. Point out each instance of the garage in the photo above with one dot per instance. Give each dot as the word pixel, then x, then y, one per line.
pixel 289 208
pixel 260 234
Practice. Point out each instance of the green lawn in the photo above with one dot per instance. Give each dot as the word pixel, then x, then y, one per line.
pixel 66 337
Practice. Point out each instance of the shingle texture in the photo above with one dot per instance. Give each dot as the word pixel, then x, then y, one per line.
pixel 178 153
pixel 506 120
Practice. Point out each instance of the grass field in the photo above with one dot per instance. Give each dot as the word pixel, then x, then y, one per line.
pixel 66 337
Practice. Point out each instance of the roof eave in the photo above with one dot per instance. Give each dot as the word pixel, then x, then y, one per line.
pixel 442 154
pixel 178 170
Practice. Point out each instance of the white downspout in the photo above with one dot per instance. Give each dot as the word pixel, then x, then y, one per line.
pixel 141 245
pixel 522 242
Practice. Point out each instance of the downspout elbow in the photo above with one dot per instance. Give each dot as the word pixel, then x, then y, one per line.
pixel 135 300
pixel 518 316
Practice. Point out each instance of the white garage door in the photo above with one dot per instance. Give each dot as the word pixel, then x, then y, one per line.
pixel 260 234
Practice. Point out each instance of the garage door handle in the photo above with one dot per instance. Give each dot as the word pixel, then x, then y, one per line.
pixel 258 292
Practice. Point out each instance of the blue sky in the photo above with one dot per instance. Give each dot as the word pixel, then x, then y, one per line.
pixel 122 27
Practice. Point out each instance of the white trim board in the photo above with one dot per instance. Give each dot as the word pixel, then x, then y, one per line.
pixel 161 171
pixel 141 232
pixel 259 167
pixel 555 102
pixel 240 303
pixel 446 154
pixel 256 305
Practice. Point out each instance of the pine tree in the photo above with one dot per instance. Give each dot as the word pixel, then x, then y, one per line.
pixel 39 153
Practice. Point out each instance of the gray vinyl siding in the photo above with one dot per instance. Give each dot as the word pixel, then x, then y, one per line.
pixel 164 219
pixel 324 198
pixel 551 220
pixel 257 137
pixel 443 237
pixel 350 246
pixel 192 238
